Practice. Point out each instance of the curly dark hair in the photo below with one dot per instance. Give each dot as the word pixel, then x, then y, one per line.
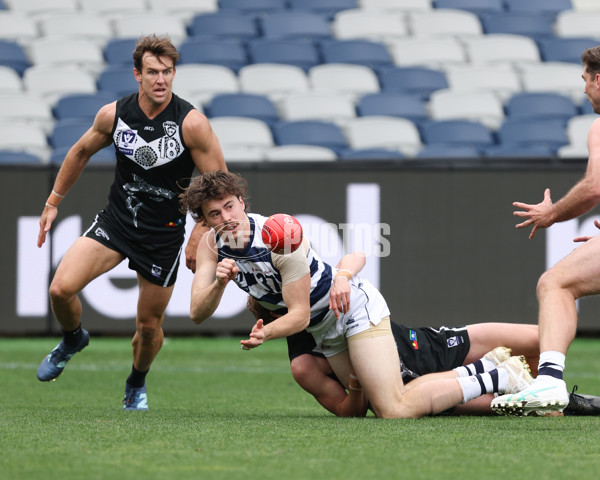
pixel 159 46
pixel 212 186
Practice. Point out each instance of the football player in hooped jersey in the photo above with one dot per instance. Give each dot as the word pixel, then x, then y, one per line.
pixel 358 342
pixel 159 139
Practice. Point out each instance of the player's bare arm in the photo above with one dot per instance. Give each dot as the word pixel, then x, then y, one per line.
pixel 584 195
pixel 296 296
pixel 207 155
pixel 210 279
pixel 97 137
pixel 339 295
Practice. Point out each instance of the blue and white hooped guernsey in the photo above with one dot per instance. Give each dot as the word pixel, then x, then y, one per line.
pixel 259 277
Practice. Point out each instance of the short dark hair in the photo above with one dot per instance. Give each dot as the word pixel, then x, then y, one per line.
pixel 591 60
pixel 212 186
pixel 159 46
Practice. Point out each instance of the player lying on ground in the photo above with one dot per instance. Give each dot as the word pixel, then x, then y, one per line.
pixel 422 351
pixel 358 344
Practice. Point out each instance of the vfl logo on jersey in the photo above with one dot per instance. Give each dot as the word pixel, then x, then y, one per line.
pixel 99 232
pixel 454 341
pixel 156 271
pixel 126 141
pixel 413 339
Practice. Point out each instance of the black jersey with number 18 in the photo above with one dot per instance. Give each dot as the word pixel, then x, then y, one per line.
pixel 153 168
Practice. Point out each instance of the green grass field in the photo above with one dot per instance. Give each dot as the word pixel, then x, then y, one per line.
pixel 217 412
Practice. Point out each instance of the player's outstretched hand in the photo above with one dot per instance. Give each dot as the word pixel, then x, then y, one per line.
pixel 226 271
pixel 257 336
pixel 339 296
pixel 585 239
pixel 48 216
pixel 537 215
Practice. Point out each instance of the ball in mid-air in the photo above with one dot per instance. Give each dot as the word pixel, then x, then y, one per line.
pixel 282 233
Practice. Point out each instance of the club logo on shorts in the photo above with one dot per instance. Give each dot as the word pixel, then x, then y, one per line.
pixel 156 271
pixel 413 339
pixel 454 341
pixel 99 232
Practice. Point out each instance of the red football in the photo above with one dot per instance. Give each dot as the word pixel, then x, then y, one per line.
pixel 282 233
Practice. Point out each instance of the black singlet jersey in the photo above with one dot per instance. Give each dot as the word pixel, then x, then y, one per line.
pixel 153 168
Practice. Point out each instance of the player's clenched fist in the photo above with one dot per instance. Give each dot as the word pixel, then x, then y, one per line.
pixel 226 271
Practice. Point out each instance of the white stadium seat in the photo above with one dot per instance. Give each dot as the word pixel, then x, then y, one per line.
pixel 369 24
pixel 484 107
pixel 296 153
pixel 384 132
pixel 200 82
pixel 444 22
pixel 434 52
pixel 273 80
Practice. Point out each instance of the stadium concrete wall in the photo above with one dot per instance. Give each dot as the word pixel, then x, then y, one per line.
pixel 441 242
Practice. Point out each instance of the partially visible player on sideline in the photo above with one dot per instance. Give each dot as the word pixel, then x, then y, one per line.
pixel 575 276
pixel 358 343
pixel 159 138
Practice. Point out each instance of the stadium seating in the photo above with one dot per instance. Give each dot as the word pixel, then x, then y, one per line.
pixel 66 132
pixel 119 51
pixel 457 132
pixel 223 24
pixel 359 52
pixel 296 153
pixel 17 27
pixel 38 7
pixel 78 26
pixel 255 7
pixel 274 80
pixel 371 154
pixel 517 23
pixel 183 9
pixel 329 107
pixel 304 25
pixel 105 156
pixel 484 107
pixel 558 77
pixel 301 53
pixel 397 5
pixel 412 80
pixel 227 53
pixel 115 8
pixel 402 105
pixel 502 80
pixel 550 8
pixel 117 79
pixel 585 5
pixel 9 80
pixel 243 105
pixel 199 83
pixel 519 150
pixel 565 49
pixel 367 24
pixel 444 22
pixel 479 7
pixel 248 133
pixel 24 137
pixel 445 151
pixel 327 8
pixel 60 51
pixel 541 106
pixel 502 48
pixel 384 132
pixel 430 52
pixel 310 132
pixel 572 23
pixel 144 24
pixel 52 82
pixel 15 157
pixel 13 55
pixel 25 107
pixel 577 133
pixel 347 79
pixel 82 106
pixel 550 133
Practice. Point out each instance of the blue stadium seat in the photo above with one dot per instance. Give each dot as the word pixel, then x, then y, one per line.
pixel 66 132
pixel 519 150
pixel 551 133
pixel 359 52
pixel 255 7
pixel 529 24
pixel 541 106
pixel 443 150
pixel 309 132
pixel 413 80
pixel 12 55
pixel 104 156
pixel 477 7
pixel 323 7
pixel 119 51
pixel 295 25
pixel 13 157
pixel 371 154
pixel 81 105
pixel 301 53
pixel 586 107
pixel 393 104
pixel 457 132
pixel 565 49
pixel 243 105
pixel 223 24
pixel 227 53
pixel 550 8
pixel 117 79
